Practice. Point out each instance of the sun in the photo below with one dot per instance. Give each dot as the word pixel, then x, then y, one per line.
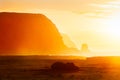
pixel 113 31
pixel 112 27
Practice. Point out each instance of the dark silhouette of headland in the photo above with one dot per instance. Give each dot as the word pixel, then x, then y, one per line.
pixel 26 32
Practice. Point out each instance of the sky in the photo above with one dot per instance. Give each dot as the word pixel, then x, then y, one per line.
pixel 94 22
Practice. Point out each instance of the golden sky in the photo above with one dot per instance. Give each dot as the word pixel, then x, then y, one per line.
pixel 95 22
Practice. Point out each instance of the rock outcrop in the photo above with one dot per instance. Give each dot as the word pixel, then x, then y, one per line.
pixel 64 67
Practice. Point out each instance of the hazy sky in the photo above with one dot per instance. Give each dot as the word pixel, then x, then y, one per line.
pixel 95 22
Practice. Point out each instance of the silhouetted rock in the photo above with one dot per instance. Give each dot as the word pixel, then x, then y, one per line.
pixel 64 67
pixel 23 32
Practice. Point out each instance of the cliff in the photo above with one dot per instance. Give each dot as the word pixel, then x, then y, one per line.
pixel 25 32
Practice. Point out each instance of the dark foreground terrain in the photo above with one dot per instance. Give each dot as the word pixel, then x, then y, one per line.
pixel 37 68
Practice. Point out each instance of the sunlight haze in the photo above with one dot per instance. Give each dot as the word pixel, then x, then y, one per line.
pixel 94 22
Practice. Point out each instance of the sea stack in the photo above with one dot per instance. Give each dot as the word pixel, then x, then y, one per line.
pixel 85 48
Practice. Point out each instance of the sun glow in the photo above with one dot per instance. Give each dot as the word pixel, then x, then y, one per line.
pixel 112 26
pixel 113 31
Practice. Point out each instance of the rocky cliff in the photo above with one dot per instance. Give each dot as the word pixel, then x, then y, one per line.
pixel 28 32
